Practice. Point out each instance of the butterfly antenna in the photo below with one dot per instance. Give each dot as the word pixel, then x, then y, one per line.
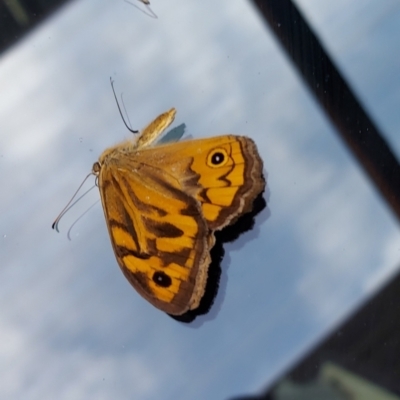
pixel 70 229
pixel 67 207
pixel 119 108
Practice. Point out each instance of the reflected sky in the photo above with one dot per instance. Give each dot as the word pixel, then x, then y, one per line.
pixel 71 326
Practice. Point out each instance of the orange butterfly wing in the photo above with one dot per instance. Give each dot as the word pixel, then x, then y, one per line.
pixel 162 205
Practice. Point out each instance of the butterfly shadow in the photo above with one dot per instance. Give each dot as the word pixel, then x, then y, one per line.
pixel 173 135
pixel 210 303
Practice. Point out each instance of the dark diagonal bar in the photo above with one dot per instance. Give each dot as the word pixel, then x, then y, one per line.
pixel 335 96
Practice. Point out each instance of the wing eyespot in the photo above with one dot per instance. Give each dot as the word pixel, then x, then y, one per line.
pixel 162 279
pixel 217 158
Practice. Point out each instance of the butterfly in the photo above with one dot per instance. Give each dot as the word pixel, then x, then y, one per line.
pixel 162 204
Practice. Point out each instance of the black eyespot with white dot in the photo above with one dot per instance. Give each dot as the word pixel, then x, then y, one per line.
pixel 162 279
pixel 217 158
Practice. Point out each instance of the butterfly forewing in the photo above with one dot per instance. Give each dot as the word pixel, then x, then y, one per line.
pixel 223 173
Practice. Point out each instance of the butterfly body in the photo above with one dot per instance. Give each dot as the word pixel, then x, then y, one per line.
pixel 163 203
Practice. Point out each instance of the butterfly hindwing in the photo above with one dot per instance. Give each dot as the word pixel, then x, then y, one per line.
pixel 159 235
